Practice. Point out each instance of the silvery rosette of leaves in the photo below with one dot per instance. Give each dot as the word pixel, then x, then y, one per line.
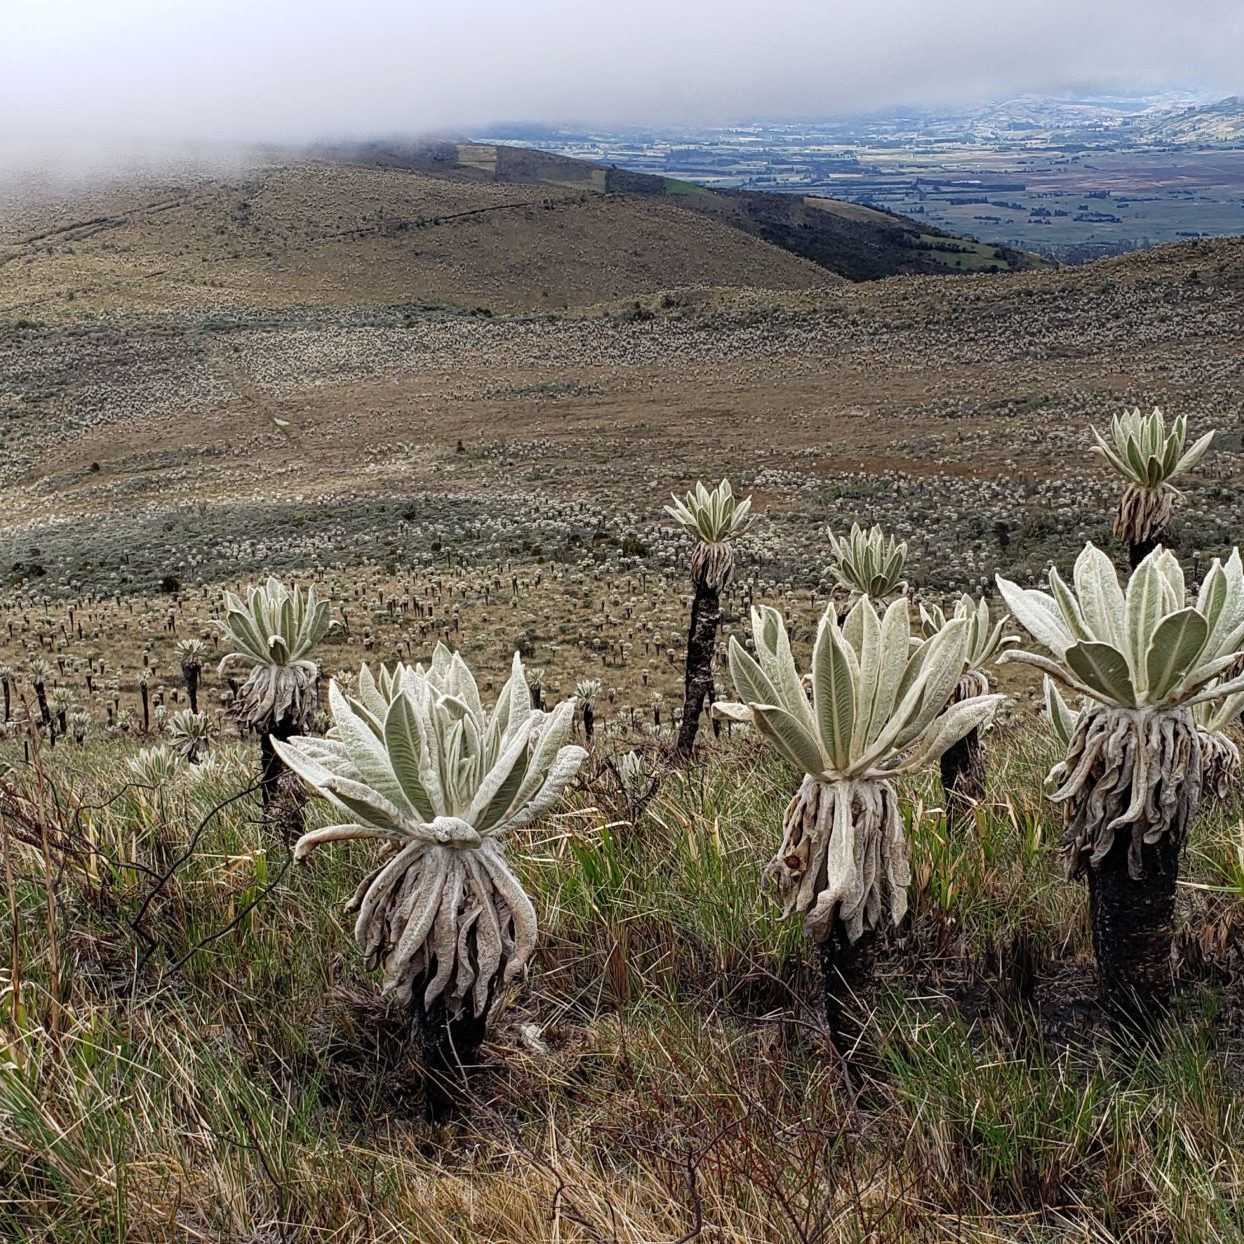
pixel 715 518
pixel 271 633
pixel 1143 659
pixel 587 691
pixel 190 733
pixel 192 652
pixel 868 563
pixel 1148 455
pixel 416 762
pixel 877 710
pixel 985 640
pixel 154 766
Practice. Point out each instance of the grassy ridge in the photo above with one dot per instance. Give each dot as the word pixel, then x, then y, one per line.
pixel 664 1072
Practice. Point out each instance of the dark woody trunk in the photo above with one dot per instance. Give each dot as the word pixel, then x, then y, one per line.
pixel 45 715
pixel 282 799
pixel 701 643
pixel 191 675
pixel 963 777
pixel 1136 553
pixel 447 1049
pixel 1133 926
pixel 848 970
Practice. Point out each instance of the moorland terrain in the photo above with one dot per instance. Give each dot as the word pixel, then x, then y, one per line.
pixel 457 403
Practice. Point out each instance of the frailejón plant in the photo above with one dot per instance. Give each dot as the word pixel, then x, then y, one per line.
pixel 1148 455
pixel 271 635
pixel 192 654
pixel 415 762
pixel 587 691
pixel 963 763
pixel 715 519
pixel 868 563
pixel 1142 658
pixel 878 709
pixel 190 734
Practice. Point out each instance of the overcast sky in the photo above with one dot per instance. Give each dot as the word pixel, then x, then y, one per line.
pixel 122 74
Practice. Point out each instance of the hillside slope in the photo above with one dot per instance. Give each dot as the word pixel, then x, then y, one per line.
pixel 859 243
pixel 339 235
pixel 1220 124
pixel 950 410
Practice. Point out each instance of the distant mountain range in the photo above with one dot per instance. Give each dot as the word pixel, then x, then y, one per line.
pixel 1220 124
pixel 1176 118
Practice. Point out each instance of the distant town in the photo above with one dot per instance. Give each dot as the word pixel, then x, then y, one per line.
pixel 1071 179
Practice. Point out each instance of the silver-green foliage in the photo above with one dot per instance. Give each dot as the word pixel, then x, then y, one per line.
pixel 868 563
pixel 271 634
pixel 715 517
pixel 1143 658
pixel 1141 647
pixel 154 767
pixel 190 733
pixel 417 763
pixel 878 709
pixel 1147 455
pixel 985 640
pixel 192 652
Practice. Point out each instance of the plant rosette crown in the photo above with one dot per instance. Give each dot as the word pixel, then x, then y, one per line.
pixel 868 563
pixel 1148 456
pixel 878 710
pixel 417 763
pixel 1143 660
pixel 715 518
pixel 271 633
pixel 985 640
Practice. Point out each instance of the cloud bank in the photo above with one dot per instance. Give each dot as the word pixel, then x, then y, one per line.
pixel 83 78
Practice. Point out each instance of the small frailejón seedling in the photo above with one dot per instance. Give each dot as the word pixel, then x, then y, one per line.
pixel 963 763
pixel 868 563
pixel 190 734
pixel 715 519
pixel 272 634
pixel 1148 455
pixel 418 764
pixel 1142 659
pixel 879 709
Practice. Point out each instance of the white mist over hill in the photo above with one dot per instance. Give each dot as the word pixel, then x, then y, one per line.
pixel 82 80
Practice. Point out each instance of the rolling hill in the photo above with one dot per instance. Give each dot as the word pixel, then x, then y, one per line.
pixel 859 243
pixel 332 234
pixel 1220 124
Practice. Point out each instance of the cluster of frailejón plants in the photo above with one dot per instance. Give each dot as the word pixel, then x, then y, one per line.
pixel 1142 658
pixel 1141 684
pixel 416 762
pixel 715 518
pixel 1147 455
